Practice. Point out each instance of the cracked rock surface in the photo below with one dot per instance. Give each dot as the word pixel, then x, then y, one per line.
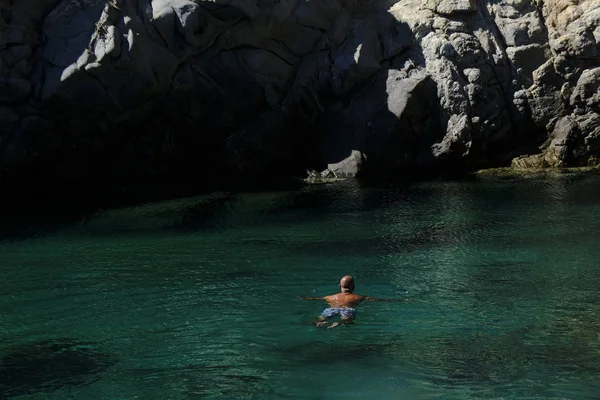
pixel 142 89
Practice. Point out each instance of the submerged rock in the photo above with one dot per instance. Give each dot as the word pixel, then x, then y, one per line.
pixel 136 89
pixel 46 366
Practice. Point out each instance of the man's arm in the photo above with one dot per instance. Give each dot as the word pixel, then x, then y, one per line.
pixel 311 298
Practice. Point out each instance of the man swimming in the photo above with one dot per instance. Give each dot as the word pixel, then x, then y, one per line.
pixel 341 304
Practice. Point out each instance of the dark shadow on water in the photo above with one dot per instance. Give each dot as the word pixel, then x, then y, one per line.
pixel 425 238
pixel 492 360
pixel 338 351
pixel 481 361
pixel 47 212
pixel 502 283
pixel 366 246
pixel 202 381
pixel 47 366
pixel 204 215
pixel 485 203
pixel 242 275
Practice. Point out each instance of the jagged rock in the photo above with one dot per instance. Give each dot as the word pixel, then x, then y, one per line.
pixel 8 122
pixel 34 134
pixel 563 142
pixel 529 161
pixel 16 54
pixel 393 122
pixel 293 84
pixel 571 26
pixel 15 35
pixel 457 141
pixel 519 22
pixel 347 168
pixel 586 94
pixel 589 125
pixel 544 96
pixel 14 89
pixel 528 58
pixel 450 7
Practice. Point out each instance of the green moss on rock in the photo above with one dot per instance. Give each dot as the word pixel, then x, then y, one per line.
pixel 533 172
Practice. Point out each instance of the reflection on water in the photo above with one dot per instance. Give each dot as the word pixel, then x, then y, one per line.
pixel 197 298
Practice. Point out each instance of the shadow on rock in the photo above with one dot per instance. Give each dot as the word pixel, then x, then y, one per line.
pixel 46 366
pixel 391 121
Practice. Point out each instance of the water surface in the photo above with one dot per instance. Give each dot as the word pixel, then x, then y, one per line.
pixel 197 298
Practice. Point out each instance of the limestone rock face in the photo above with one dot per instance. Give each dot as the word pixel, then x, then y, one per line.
pixel 565 91
pixel 146 88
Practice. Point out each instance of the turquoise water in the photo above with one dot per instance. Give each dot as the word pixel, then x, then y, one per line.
pixel 197 298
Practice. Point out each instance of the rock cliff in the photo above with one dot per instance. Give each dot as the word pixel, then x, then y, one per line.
pixel 136 89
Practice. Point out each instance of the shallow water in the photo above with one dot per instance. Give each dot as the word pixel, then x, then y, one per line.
pixel 197 298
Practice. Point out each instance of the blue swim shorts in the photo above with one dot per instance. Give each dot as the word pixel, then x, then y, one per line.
pixel 345 313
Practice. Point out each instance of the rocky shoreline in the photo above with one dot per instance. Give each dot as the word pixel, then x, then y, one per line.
pixel 151 90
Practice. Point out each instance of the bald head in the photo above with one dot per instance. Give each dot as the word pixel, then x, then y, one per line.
pixel 347 284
